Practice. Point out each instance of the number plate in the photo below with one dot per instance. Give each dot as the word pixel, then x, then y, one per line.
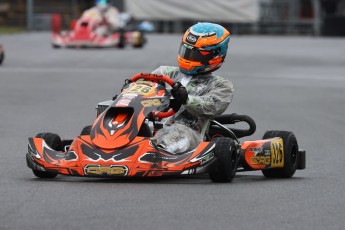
pixel 277 153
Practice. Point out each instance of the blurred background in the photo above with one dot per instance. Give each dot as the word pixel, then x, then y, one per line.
pixel 312 17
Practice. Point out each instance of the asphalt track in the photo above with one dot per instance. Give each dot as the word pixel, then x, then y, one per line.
pixel 287 83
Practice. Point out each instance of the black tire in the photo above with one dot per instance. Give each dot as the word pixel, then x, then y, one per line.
pixel 54 141
pixel 224 168
pixel 86 130
pixel 140 42
pixel 54 46
pixel 290 147
pixel 122 39
pixel 44 174
pixel 2 57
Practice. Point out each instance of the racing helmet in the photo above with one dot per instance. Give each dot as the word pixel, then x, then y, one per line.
pixel 203 48
pixel 102 4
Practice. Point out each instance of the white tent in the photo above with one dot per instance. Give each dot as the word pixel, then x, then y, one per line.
pixel 246 11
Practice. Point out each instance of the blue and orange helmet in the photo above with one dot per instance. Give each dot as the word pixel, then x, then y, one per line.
pixel 203 48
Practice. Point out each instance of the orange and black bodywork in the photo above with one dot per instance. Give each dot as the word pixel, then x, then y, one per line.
pixel 140 158
pixel 120 142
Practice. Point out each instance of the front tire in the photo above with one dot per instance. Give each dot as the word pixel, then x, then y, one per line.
pixel 290 155
pixel 53 141
pixel 44 174
pixel 224 168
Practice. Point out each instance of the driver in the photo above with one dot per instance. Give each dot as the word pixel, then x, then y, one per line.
pixel 202 94
pixel 107 16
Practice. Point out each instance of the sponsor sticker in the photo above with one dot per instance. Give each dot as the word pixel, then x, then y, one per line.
pixel 191 38
pixel 256 150
pixel 123 102
pixel 112 170
pixel 260 160
pixel 129 96
pixel 267 152
pixel 150 103
pixel 207 158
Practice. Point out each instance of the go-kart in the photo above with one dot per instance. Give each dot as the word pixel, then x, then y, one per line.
pixel 119 143
pixel 83 34
pixel 2 54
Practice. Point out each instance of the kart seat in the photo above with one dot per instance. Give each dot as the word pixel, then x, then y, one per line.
pixel 219 126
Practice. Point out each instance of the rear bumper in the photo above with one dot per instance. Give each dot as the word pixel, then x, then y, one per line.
pixel 301 163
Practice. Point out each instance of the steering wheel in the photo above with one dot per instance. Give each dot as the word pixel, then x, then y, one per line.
pixel 156 78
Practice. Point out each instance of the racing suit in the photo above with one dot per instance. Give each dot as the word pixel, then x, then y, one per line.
pixel 108 14
pixel 208 96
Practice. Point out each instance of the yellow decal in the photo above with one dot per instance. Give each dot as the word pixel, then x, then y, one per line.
pixel 113 170
pixel 260 160
pixel 140 89
pixel 277 153
pixel 149 103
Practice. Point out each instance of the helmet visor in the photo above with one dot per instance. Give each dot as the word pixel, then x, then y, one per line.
pixel 192 54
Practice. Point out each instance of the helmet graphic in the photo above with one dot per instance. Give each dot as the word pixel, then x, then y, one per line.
pixel 203 48
pixel 101 2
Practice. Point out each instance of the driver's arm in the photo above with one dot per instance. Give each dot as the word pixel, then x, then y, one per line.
pixel 169 71
pixel 214 102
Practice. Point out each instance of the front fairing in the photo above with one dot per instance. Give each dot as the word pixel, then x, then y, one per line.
pixel 120 123
pixel 140 158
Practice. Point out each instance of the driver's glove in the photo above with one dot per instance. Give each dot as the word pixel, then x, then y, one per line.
pixel 179 93
pixel 175 105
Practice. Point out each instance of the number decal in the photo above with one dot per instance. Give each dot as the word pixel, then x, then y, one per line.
pixel 277 153
pixel 140 89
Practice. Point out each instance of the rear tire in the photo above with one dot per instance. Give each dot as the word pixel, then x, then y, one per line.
pixel 224 168
pixel 122 39
pixel 53 141
pixel 290 147
pixel 140 40
pixel 56 46
pixel 2 57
